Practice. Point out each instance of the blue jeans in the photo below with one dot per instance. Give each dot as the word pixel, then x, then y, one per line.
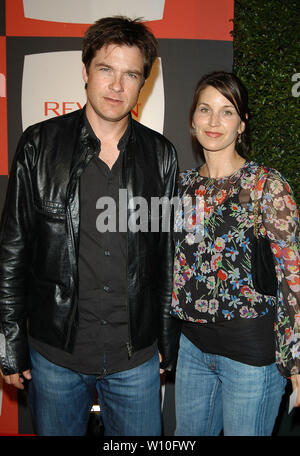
pixel 214 393
pixel 60 399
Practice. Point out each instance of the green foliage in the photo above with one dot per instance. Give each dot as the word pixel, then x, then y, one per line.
pixel 266 56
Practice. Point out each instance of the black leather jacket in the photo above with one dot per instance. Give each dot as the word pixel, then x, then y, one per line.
pixel 39 240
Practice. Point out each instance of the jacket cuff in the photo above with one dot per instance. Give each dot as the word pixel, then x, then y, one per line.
pixel 16 364
pixel 168 347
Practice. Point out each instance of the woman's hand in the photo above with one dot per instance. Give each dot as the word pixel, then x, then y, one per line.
pixel 161 371
pixel 295 379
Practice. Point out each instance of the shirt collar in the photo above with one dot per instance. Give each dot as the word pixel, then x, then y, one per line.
pixel 123 140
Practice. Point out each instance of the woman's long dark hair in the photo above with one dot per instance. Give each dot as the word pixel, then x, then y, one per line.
pixel 232 88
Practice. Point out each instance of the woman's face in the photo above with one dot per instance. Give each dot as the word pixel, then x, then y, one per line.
pixel 216 121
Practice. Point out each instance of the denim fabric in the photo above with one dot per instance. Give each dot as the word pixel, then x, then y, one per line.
pixel 60 399
pixel 214 393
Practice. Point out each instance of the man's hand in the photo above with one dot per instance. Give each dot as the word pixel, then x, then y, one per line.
pixel 16 380
pixel 295 379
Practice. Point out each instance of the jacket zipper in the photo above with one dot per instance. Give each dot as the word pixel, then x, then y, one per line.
pixel 129 343
pixel 75 281
pixel 70 225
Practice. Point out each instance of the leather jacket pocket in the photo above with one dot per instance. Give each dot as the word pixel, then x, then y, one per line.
pixel 51 210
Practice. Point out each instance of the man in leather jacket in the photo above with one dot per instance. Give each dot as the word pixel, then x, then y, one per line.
pixel 84 305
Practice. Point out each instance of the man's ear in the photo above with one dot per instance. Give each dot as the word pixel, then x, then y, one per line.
pixel 84 73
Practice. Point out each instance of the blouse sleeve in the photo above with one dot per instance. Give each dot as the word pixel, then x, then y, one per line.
pixel 280 220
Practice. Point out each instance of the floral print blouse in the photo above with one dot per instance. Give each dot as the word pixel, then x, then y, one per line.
pixel 212 269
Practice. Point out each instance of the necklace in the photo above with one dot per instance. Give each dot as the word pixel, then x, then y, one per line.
pixel 225 181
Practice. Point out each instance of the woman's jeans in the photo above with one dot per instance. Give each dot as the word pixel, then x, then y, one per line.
pixel 60 399
pixel 214 393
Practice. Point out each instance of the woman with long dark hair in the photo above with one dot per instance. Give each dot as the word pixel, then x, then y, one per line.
pixel 240 340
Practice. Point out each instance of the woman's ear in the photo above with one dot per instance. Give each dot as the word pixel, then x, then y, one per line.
pixel 242 125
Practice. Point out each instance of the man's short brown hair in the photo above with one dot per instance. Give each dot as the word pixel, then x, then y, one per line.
pixel 120 30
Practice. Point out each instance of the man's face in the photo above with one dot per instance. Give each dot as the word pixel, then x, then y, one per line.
pixel 114 80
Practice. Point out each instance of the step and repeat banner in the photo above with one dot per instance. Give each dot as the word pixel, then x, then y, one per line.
pixel 40 77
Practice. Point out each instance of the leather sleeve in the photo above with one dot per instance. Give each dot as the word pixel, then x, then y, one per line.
pixel 170 327
pixel 16 234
